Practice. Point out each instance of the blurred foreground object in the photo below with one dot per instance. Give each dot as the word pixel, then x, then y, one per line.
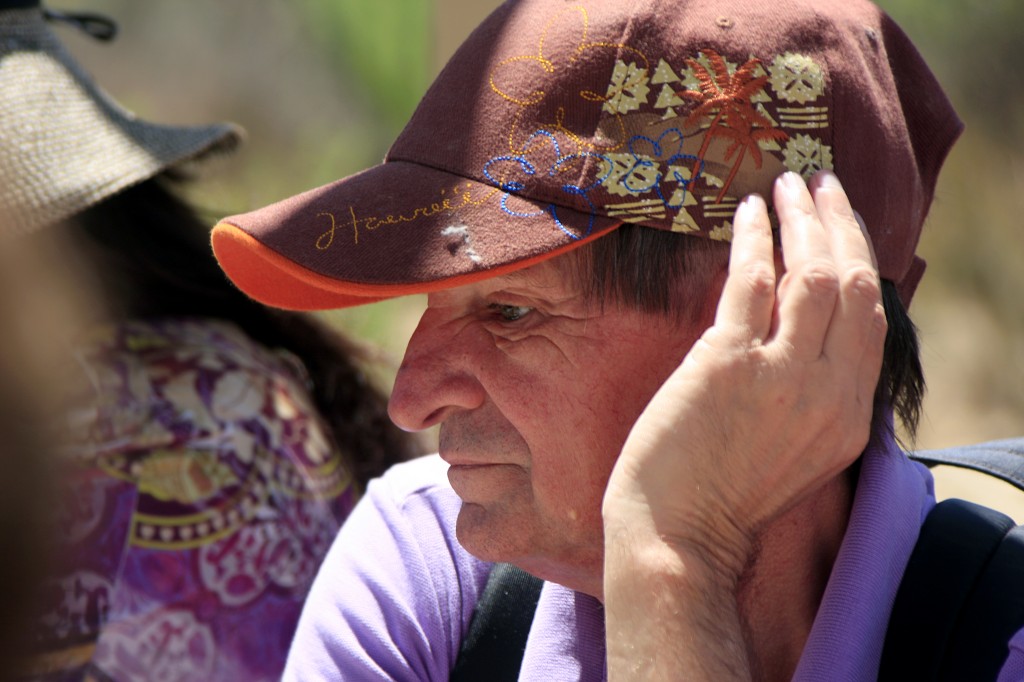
pixel 208 448
pixel 37 311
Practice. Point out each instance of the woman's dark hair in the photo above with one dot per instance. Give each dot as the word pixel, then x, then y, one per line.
pixel 644 268
pixel 151 257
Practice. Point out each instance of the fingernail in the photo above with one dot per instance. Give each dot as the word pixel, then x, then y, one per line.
pixel 791 181
pixel 828 179
pixel 754 201
pixel 750 207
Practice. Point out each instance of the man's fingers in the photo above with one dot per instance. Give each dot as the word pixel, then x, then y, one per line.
pixel 749 293
pixel 848 239
pixel 810 286
pixel 871 247
pixel 870 367
pixel 851 328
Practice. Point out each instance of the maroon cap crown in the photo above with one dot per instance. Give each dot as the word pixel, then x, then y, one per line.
pixel 558 121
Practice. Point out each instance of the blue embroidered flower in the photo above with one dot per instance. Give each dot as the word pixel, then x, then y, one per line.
pixel 639 179
pixel 517 167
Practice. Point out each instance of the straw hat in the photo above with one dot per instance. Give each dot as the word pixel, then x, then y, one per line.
pixel 65 144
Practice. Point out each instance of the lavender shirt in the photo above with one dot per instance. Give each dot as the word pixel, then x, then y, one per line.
pixel 396 591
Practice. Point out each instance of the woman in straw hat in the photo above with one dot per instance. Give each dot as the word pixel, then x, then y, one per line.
pixel 214 446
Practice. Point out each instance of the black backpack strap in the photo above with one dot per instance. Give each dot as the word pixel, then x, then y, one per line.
pixel 993 615
pixel 1003 459
pixel 961 598
pixel 493 647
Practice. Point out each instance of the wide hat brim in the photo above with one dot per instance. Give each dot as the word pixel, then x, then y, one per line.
pixel 66 144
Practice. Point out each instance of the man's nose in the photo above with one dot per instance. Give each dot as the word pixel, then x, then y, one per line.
pixel 436 377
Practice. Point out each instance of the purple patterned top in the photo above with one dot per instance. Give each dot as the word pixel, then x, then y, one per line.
pixel 204 493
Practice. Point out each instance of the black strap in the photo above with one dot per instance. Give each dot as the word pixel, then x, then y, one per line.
pixel 954 615
pixel 961 598
pixel 1003 459
pixel 493 647
pixel 993 615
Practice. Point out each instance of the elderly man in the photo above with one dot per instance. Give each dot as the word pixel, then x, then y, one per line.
pixel 565 193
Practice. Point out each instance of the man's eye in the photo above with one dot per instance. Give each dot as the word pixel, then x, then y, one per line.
pixel 510 313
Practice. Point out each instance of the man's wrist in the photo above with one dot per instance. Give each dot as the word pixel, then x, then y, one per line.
pixel 705 540
pixel 671 609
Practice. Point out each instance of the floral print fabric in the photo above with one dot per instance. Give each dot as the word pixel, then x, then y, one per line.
pixel 203 493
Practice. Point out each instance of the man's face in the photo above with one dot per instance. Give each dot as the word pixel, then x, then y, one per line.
pixel 535 392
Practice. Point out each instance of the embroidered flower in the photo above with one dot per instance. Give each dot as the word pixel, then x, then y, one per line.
pixel 513 173
pixel 797 78
pixel 806 155
pixel 529 82
pixel 649 156
pixel 628 89
pixel 722 232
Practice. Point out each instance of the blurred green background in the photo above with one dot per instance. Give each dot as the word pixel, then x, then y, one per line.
pixel 323 86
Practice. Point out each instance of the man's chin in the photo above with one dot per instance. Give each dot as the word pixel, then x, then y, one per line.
pixel 483 532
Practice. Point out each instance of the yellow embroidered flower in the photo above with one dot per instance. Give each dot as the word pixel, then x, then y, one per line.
pixel 797 78
pixel 806 155
pixel 530 82
pixel 628 89
pixel 722 232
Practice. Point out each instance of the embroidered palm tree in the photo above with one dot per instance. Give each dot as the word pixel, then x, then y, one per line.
pixel 726 98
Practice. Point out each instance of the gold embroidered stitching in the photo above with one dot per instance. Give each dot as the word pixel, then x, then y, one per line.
pixel 370 223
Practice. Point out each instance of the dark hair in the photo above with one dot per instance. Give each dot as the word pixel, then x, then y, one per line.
pixel 150 255
pixel 646 269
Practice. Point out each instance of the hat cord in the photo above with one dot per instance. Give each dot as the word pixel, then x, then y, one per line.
pixel 95 25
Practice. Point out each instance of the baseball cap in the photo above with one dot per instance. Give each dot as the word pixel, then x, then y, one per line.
pixel 557 122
